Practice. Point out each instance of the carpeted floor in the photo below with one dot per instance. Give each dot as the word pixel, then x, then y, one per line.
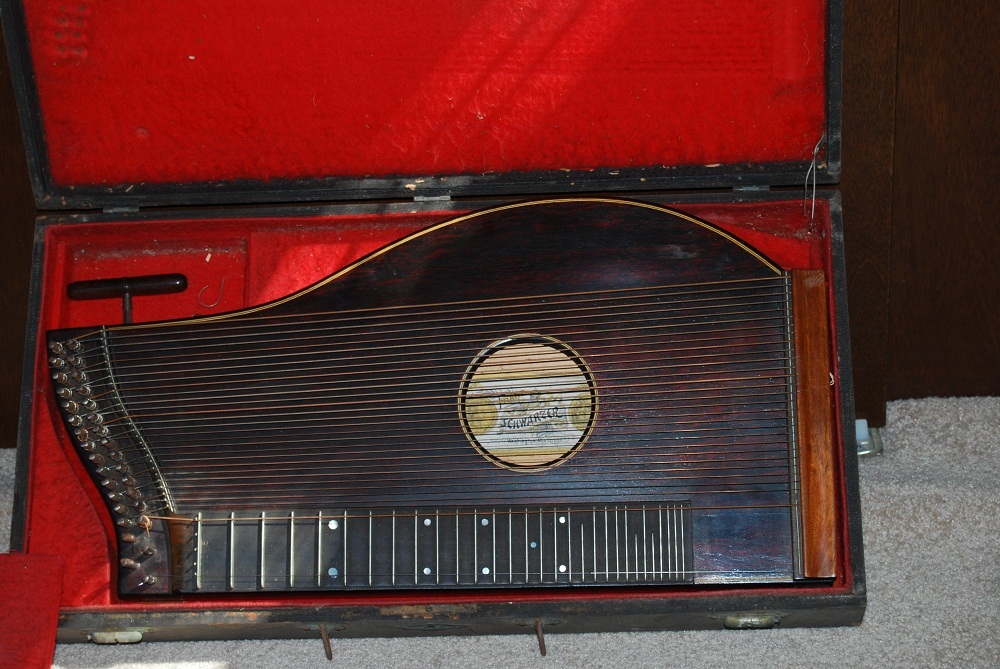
pixel 932 542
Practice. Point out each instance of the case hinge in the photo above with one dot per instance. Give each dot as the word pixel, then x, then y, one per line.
pixel 121 210
pixel 752 188
pixel 432 198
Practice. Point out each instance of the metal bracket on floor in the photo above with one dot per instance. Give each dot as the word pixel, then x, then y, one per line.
pixel 327 648
pixel 540 635
pixel 869 439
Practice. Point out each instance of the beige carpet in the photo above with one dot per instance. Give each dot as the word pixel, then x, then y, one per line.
pixel 932 542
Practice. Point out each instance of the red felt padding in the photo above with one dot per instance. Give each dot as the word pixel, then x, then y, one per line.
pixel 29 609
pixel 202 90
pixel 262 258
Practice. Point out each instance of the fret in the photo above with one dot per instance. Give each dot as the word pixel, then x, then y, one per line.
pixel 526 544
pixel 678 529
pixel 679 545
pixel 645 568
pixel 659 524
pixel 607 561
pixel 618 570
pixel 625 515
pixel 291 549
pixel 261 554
pixel 510 545
pixel 231 551
pixel 200 555
pixel 319 550
pixel 677 554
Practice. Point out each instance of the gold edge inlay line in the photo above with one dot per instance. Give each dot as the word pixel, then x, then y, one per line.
pixel 420 233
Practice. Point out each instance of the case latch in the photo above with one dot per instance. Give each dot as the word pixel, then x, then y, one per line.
pixel 116 636
pixel 751 620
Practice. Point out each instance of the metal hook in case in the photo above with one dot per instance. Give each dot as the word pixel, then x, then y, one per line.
pixel 201 292
pixel 811 172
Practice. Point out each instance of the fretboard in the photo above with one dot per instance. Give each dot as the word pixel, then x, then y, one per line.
pixel 436 548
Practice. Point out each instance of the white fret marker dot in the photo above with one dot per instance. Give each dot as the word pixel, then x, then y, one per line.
pixel 333 524
pixel 485 522
pixel 486 570
pixel 332 571
pixel 562 519
pixel 534 545
pixel 427 523
pixel 427 571
pixel 562 568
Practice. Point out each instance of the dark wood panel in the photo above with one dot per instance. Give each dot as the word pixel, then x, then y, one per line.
pixel 17 214
pixel 870 29
pixel 945 323
pixel 817 466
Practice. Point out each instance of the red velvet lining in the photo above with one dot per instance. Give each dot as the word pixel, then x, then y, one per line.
pixel 261 259
pixel 208 91
pixel 29 609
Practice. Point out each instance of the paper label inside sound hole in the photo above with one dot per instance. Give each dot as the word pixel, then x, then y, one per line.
pixel 528 402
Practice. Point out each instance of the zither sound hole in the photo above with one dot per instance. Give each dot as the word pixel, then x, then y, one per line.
pixel 527 402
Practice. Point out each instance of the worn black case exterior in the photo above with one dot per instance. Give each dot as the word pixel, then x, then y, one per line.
pixel 622 610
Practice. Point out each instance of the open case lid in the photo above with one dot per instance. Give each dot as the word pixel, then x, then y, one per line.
pixel 165 103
